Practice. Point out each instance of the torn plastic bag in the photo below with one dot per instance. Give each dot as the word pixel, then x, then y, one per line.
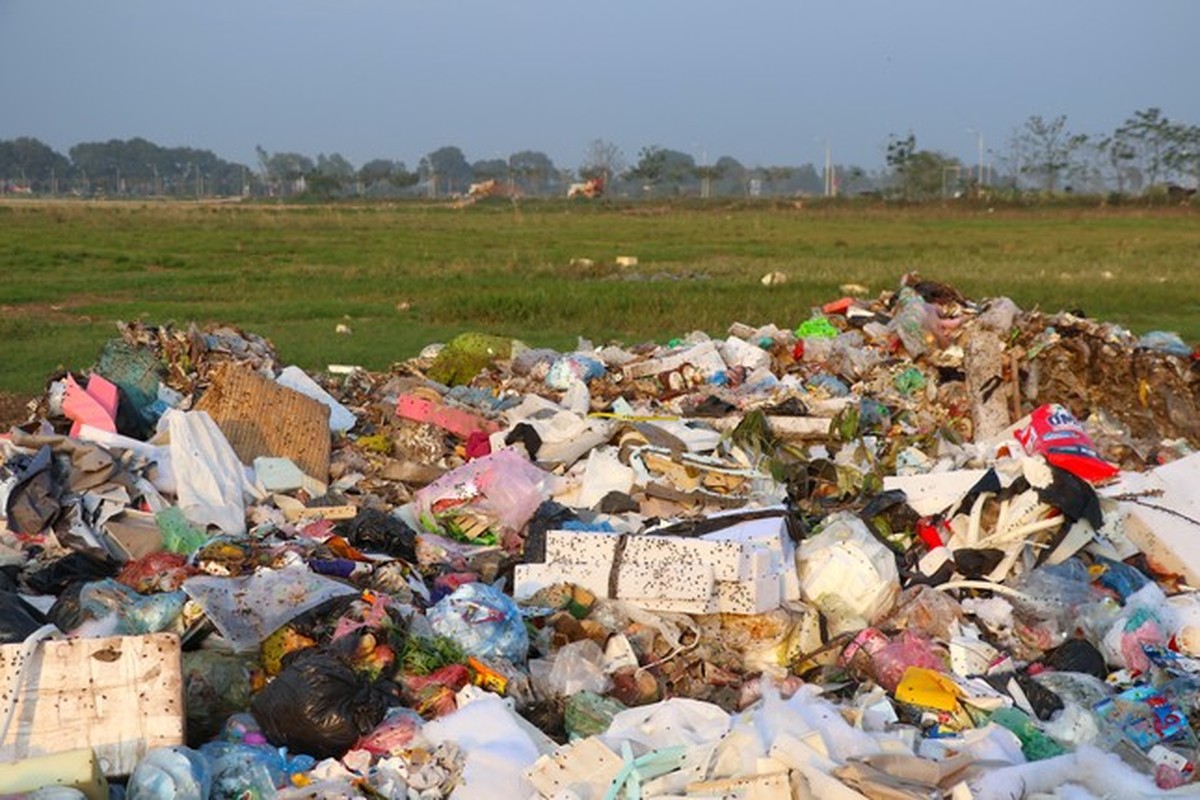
pixel 79 566
pixel 318 705
pixel 170 773
pixel 216 685
pixel 574 668
pixel 375 531
pixel 677 722
pixel 848 574
pixel 483 621
pixel 502 487
pixel 136 614
pixel 248 609
pixel 498 745
pixel 33 502
pixel 212 483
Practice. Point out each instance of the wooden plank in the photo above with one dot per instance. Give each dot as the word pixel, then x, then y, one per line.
pixel 119 695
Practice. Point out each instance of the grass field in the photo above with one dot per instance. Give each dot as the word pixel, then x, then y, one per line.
pixel 402 276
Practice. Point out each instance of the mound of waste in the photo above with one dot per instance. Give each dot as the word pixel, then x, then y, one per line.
pixel 914 546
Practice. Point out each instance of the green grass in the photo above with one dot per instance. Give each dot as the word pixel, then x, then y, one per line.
pixel 404 275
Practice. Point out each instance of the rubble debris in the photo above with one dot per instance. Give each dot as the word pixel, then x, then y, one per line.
pixel 910 546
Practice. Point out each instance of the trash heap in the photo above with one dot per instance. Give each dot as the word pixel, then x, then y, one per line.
pixel 915 546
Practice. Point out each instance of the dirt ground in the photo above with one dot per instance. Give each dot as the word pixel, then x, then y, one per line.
pixel 14 409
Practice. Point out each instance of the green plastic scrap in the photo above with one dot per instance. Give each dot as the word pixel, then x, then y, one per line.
pixel 1035 744
pixel 466 355
pixel 179 535
pixel 589 714
pixel 652 765
pixel 817 327
pixel 910 381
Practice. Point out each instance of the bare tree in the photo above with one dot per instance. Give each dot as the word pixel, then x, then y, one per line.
pixel 1048 150
pixel 602 159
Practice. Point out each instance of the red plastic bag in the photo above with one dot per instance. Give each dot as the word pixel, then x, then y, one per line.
pixel 1054 433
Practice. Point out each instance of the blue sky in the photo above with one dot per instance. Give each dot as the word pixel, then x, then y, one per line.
pixel 766 82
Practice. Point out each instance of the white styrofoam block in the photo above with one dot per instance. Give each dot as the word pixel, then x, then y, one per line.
pixel 791 583
pixel 529 579
pixel 764 562
pixel 726 560
pixel 754 596
pixel 729 559
pixel 277 474
pixel 934 492
pixel 1162 527
pixel 596 547
pixel 705 606
pixel 641 580
pixel 770 532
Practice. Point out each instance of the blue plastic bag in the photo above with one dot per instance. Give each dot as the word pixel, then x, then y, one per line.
pixel 484 621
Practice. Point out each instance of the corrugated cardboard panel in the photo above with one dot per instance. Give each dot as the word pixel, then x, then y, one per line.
pixel 261 418
pixel 119 695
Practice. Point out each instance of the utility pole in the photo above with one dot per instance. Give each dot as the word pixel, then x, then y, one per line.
pixel 830 183
pixel 979 175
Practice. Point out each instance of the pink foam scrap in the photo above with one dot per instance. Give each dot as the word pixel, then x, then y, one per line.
pixel 105 392
pixel 83 409
pixel 460 423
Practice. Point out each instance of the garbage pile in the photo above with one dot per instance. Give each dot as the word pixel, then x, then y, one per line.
pixel 916 546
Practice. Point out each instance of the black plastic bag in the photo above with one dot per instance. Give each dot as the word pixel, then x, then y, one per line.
pixel 18 619
pixel 66 612
pixel 376 532
pixel 80 566
pixel 318 705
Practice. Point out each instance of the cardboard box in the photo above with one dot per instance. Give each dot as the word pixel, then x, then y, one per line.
pixel 121 696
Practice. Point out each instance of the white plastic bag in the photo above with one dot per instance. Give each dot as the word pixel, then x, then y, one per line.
pixel 847 573
pixel 211 482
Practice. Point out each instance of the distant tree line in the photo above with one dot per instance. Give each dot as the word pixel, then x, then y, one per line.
pixel 1147 152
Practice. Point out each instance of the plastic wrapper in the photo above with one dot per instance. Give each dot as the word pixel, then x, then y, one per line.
pixel 571 369
pixel 575 667
pixel 374 531
pixel 484 621
pixel 1146 718
pixel 156 572
pixel 212 483
pixel 248 609
pixel 241 770
pixel 434 695
pixel 394 734
pixel 1061 439
pixel 917 323
pixel 78 566
pixel 1035 744
pixel 589 714
pixel 179 535
pixel 318 705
